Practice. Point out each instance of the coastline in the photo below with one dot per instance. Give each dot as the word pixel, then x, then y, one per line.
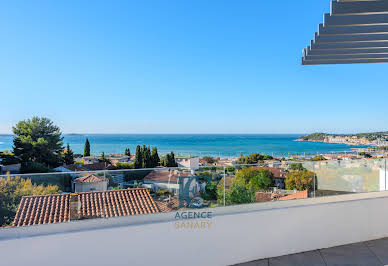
pixel 224 145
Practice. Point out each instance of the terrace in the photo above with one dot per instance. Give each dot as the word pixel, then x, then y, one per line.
pixel 136 221
pixel 343 222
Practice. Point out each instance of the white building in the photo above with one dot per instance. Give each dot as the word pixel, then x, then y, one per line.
pixel 90 183
pixel 188 162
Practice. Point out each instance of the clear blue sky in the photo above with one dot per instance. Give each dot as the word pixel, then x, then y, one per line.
pixel 192 66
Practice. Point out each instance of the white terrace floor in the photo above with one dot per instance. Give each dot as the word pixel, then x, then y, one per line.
pixel 369 253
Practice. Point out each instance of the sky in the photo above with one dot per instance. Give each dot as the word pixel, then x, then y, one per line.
pixel 173 66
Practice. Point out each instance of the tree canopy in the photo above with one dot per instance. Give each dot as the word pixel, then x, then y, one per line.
pixel 300 180
pixel 38 140
pixel 11 191
pixel 87 148
pixel 253 158
pixel 169 160
pixel 68 155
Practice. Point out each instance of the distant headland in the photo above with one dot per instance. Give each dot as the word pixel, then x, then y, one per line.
pixel 367 139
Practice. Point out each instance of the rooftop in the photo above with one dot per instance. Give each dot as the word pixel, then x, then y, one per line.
pixel 48 209
pixel 368 253
pixel 89 178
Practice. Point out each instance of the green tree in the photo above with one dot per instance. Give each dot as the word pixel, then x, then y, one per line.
pixel 138 157
pixel 261 181
pixel 155 157
pixel 127 152
pixel 209 159
pixel 297 167
pixel 318 158
pixel 300 180
pixel 238 193
pixel 103 158
pixel 87 148
pixel 169 160
pixel 12 189
pixel 210 191
pixel 253 158
pixel 68 156
pixel 146 163
pixel 38 140
pixel 8 158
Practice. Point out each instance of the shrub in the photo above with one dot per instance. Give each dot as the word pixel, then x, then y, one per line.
pixel 300 180
pixel 34 167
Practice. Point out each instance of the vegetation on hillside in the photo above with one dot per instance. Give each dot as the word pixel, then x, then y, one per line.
pixel 253 158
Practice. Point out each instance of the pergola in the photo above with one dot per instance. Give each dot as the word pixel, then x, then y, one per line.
pixel 355 31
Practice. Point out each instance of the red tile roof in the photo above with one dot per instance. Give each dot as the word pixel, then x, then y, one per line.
pixel 90 178
pixel 96 166
pixel 277 172
pixel 48 209
pixel 298 195
pixel 169 205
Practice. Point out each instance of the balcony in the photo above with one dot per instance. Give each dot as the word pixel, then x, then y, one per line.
pixel 156 221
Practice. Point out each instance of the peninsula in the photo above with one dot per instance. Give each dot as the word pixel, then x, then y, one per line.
pixel 367 139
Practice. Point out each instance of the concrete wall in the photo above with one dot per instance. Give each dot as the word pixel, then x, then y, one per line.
pixel 237 234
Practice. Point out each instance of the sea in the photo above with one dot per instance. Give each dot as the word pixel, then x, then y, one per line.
pixel 223 145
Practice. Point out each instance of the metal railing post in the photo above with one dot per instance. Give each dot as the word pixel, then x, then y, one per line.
pixel 224 186
pixel 315 176
pixel 385 173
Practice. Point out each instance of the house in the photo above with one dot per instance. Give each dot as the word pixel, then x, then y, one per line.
pixel 116 158
pixel 188 162
pixel 90 182
pixel 279 176
pixel 90 160
pixel 98 166
pixel 10 168
pixel 174 181
pixel 224 162
pixel 60 208
pixel 71 168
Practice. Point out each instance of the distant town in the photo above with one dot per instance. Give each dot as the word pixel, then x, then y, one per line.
pixel 42 173
pixel 377 139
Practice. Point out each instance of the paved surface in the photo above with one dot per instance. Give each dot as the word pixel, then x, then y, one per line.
pixel 369 253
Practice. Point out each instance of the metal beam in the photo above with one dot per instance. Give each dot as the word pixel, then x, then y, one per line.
pixel 348 20
pixel 346 61
pixel 352 29
pixel 346 56
pixel 350 38
pixel 359 7
pixel 346 45
pixel 308 51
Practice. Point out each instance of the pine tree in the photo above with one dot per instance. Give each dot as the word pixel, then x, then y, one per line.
pixel 173 162
pixel 138 157
pixel 155 157
pixel 146 163
pixel 68 155
pixel 87 148
pixel 169 160
pixel 166 160
pixel 127 152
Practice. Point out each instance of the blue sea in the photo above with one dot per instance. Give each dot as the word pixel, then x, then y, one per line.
pixel 226 145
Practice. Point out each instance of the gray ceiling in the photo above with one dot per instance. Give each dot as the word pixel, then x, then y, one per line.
pixel 355 31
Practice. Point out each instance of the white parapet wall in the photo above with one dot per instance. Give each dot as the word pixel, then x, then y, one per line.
pixel 236 234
